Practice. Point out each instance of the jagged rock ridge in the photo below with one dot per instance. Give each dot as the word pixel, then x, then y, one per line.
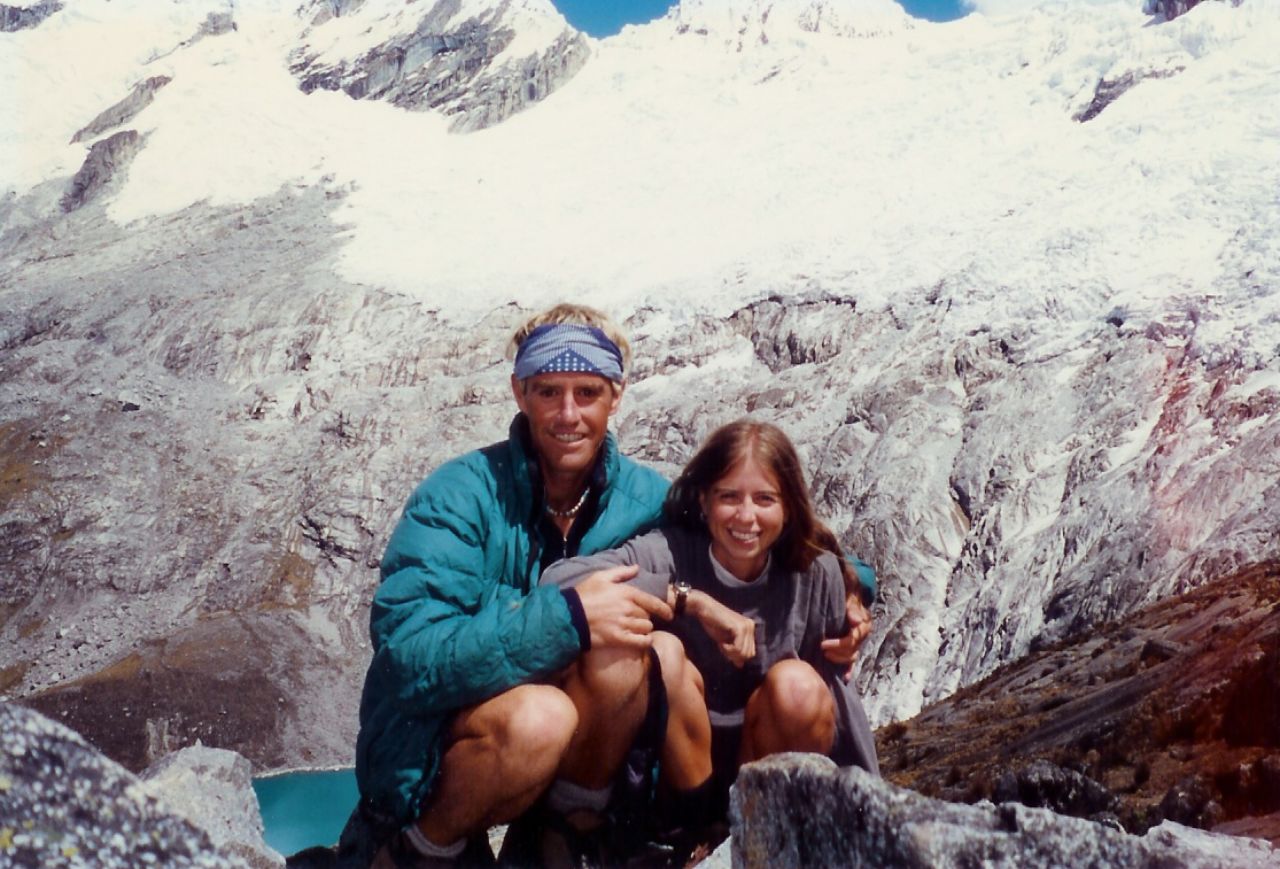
pixel 137 100
pixel 461 58
pixel 1171 9
pixel 107 157
pixel 13 18
pixel 743 24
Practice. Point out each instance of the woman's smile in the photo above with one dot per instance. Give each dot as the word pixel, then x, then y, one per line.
pixel 745 518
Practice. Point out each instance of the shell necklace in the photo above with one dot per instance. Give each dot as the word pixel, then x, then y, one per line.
pixel 572 511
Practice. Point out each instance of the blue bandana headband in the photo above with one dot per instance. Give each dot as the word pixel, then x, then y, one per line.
pixel 568 348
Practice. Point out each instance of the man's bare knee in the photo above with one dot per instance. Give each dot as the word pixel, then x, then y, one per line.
pixel 528 723
pixel 541 721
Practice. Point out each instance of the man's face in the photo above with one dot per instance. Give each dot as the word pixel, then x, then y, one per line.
pixel 568 417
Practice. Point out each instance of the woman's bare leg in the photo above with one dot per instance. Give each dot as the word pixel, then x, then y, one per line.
pixel 792 710
pixel 686 752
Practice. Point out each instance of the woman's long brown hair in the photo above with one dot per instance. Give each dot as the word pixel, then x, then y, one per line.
pixel 804 537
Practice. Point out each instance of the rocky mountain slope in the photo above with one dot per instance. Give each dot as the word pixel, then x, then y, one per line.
pixel 1172 713
pixel 1032 359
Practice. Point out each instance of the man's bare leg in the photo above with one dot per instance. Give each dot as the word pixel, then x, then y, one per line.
pixel 792 710
pixel 504 753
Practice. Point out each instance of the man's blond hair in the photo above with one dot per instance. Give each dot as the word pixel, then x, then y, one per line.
pixel 581 315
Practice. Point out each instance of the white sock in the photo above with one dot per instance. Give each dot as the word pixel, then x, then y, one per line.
pixel 565 797
pixel 427 848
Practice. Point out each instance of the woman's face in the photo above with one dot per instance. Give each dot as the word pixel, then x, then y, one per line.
pixel 745 517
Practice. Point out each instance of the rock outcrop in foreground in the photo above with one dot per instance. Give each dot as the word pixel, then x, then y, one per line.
pixel 801 810
pixel 64 804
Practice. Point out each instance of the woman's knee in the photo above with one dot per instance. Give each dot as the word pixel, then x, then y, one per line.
pixel 610 676
pixel 679 675
pixel 794 690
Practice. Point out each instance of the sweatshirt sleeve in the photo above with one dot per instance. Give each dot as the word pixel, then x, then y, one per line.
pixel 651 552
pixel 445 633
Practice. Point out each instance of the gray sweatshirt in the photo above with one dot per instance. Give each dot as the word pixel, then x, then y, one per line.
pixel 793 612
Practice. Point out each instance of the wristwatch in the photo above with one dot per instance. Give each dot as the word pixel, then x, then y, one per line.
pixel 682 590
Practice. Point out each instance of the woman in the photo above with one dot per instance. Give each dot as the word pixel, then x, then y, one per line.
pixel 759 587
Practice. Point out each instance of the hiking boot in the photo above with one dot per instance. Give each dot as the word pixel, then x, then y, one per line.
pixel 543 839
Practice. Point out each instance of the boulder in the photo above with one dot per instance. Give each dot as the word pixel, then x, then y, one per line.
pixel 795 810
pixel 213 789
pixel 63 803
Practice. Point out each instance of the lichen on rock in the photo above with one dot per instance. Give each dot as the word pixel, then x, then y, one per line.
pixel 64 804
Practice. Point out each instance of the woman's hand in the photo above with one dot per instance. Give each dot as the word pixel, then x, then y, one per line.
pixel 843 651
pixel 733 632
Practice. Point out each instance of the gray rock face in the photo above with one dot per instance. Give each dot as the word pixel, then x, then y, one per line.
pixel 1171 9
pixel 107 157
pixel 125 110
pixel 216 24
pixel 286 415
pixel 741 25
pixel 13 18
pixel 213 789
pixel 447 64
pixel 1109 90
pixel 63 804
pixel 1045 785
pixel 800 810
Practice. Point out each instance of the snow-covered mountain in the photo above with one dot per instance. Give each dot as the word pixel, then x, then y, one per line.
pixel 1013 284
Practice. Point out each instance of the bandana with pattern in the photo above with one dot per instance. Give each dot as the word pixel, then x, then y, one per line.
pixel 568 348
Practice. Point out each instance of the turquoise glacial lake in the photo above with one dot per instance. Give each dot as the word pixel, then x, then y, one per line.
pixel 301 809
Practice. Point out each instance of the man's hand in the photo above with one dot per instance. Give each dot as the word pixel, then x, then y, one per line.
pixel 617 614
pixel 733 632
pixel 844 650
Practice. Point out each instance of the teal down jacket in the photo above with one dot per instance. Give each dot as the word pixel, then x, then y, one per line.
pixel 459 616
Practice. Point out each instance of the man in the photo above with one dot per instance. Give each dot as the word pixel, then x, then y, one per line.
pixel 485 691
